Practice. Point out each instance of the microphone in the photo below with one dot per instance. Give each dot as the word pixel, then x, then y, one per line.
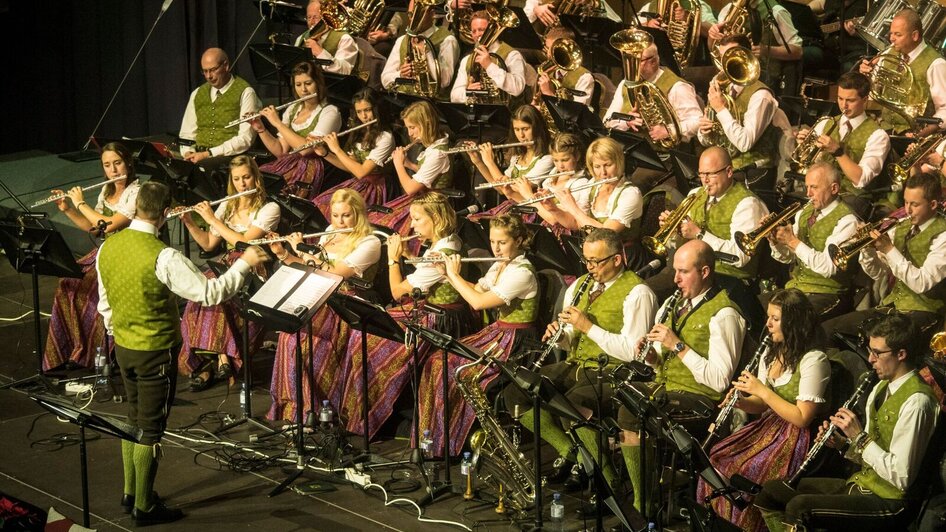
pixel 166 5
pixel 100 227
pixel 380 208
pixel 603 360
pixel 728 258
pixel 311 249
pixel 653 266
pixel 472 209
pixel 755 165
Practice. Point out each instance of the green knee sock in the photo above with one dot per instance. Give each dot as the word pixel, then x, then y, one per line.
pixel 589 438
pixel 552 432
pixel 146 469
pixel 128 465
pixel 632 458
pixel 774 520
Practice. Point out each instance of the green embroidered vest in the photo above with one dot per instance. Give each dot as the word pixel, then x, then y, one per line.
pixel 916 251
pixel 296 109
pixel 719 221
pixel 606 312
pixel 919 92
pixel 854 145
pixel 693 330
pixel 882 424
pixel 629 233
pixel 445 179
pixel 766 147
pixel 443 293
pixel 520 310
pixel 213 117
pixel 789 390
pixel 572 77
pixel 144 311
pixel 803 278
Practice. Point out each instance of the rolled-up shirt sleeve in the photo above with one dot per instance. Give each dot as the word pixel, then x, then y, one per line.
pixel 640 307
pixel 727 330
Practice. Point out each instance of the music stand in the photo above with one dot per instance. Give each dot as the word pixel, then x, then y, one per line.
pixel 664 49
pixel 272 63
pixel 306 217
pixel 340 89
pixel 571 116
pixel 523 35
pixel 594 34
pixel 470 121
pixel 639 151
pixel 36 247
pixel 282 12
pixel 474 234
pixel 808 110
pixel 548 252
pixel 685 166
pixel 85 419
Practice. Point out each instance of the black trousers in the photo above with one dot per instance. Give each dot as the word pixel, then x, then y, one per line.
pixel 150 379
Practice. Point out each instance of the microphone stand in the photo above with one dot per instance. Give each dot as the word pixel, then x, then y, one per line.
pixel 772 23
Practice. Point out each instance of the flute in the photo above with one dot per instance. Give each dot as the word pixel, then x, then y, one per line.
pixel 254 116
pixel 385 236
pixel 177 211
pixel 538 199
pixel 509 182
pixel 466 149
pixel 430 260
pixel 319 140
pixel 274 239
pixel 406 148
pixel 57 197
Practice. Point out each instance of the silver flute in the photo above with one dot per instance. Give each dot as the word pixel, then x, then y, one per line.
pixel 254 116
pixel 475 147
pixel 590 184
pixel 57 197
pixel 431 260
pixel 406 148
pixel 177 211
pixel 274 239
pixel 509 182
pixel 319 140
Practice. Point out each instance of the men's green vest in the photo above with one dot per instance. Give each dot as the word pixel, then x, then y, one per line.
pixel 213 116
pixel 144 310
pixel 606 312
pixel 571 78
pixel 816 236
pixel 916 251
pixel 718 222
pixel 919 91
pixel 854 145
pixel 766 147
pixel 882 424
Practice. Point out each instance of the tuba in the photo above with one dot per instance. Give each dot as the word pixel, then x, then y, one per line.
pixel 806 152
pixel 365 17
pixel 658 243
pixel 900 170
pixel 738 66
pixel 684 35
pixel 748 242
pixel 890 83
pixel 564 56
pixel 938 346
pixel 500 19
pixel 735 23
pixel 651 104
pixel 425 82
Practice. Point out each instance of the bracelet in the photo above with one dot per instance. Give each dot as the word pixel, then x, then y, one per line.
pixel 81 203
pixel 393 263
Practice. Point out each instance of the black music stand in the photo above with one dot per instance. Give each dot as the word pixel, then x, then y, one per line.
pixel 594 34
pixel 272 63
pixel 474 234
pixel 340 90
pixel 471 121
pixel 572 116
pixel 305 216
pixel 807 110
pixel 639 151
pixel 664 49
pixel 85 419
pixel 523 35
pixel 281 12
pixel 286 302
pixel 34 246
pixel 685 167
pixel 548 252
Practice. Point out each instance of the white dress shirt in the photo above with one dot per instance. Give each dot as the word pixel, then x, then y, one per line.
pixel 920 279
pixel 682 98
pixel 366 254
pixel 759 113
pixel 936 78
pixel 745 218
pixel 426 274
pixel 235 145
pixel 639 311
pixel 585 84
pixel 515 281
pixel 445 61
pixel 812 383
pixel 818 261
pixel 875 151
pixel 346 55
pixel 265 218
pixel 330 121
pixel 181 276
pixel 511 80
pixel 782 17
pixel 911 435
pixel 435 163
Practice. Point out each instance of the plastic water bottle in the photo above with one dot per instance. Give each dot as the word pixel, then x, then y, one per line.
pixel 101 381
pixel 466 464
pixel 651 526
pixel 326 414
pixel 557 511
pixel 243 391
pixel 426 449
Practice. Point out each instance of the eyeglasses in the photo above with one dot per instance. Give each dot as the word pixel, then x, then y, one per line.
pixel 651 58
pixel 209 71
pixel 596 262
pixel 876 353
pixel 710 174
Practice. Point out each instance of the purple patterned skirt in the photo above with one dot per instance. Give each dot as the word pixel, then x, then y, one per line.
pixel 75 326
pixel 371 187
pixel 303 175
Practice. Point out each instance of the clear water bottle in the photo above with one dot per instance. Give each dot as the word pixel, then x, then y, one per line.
pixel 326 414
pixel 243 392
pixel 101 380
pixel 466 464
pixel 651 526
pixel 557 510
pixel 426 449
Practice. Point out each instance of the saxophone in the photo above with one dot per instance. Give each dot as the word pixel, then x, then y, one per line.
pixel 496 459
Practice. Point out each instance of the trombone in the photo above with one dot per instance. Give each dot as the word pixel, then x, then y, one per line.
pixel 659 243
pixel 254 116
pixel 274 239
pixel 591 184
pixel 57 197
pixel 319 140
pixel 474 147
pixel 177 211
pixel 510 182
pixel 432 260
pixel 748 242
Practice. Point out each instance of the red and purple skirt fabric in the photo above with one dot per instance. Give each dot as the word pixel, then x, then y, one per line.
pixel 371 187
pixel 75 326
pixel 303 175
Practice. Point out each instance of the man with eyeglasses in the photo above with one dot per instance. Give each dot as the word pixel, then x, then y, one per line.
pixel 601 327
pixel 330 45
pixel 901 416
pixel 914 254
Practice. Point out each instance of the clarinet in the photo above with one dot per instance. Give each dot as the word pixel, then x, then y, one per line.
pixel 866 383
pixel 726 411
pixel 553 340
pixel 668 307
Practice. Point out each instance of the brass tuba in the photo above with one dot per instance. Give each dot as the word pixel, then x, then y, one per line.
pixel 425 82
pixel 365 17
pixel 684 34
pixel 651 104
pixel 806 152
pixel 735 23
pixel 564 56
pixel 738 66
pixel 748 242
pixel 658 243
pixel 900 170
pixel 500 19
pixel 938 346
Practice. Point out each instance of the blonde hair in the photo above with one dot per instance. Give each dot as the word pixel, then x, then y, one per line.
pixel 513 226
pixel 362 227
pixel 608 149
pixel 425 116
pixel 257 198
pixel 435 205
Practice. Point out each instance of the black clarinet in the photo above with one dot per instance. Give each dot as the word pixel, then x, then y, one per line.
pixel 867 382
pixel 553 340
pixel 727 410
pixel 668 308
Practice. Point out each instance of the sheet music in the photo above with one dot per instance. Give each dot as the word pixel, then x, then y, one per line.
pixel 313 289
pixel 286 280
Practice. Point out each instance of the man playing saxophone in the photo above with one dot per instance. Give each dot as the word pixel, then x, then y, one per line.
pixel 329 44
pixel 434 42
pixel 914 253
pixel 575 81
pixel 804 243
pixel 499 66
pixel 890 448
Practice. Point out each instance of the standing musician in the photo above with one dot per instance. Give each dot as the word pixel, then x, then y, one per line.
pixel 804 243
pixel 436 42
pixel 615 310
pixel 695 353
pixel 501 65
pixel 579 79
pixel 929 73
pixel 679 93
pixel 901 415
pixel 331 45
pixel 914 255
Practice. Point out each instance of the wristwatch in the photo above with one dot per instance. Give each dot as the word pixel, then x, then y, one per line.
pixel 678 348
pixel 838 152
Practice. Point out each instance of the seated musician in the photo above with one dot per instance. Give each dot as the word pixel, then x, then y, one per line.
pixel 568 155
pixel 679 93
pixel 847 50
pixel 853 141
pixel 329 44
pixel 435 42
pixel 652 19
pixel 217 329
pixel 696 349
pixel 498 68
pixel 221 100
pixel 353 254
pixel 804 243
pixel 928 91
pixel 544 14
pixel 788 390
pixel 914 253
pixel 889 447
pixel 754 138
pixel 579 79
pixel 606 311
pixel 300 123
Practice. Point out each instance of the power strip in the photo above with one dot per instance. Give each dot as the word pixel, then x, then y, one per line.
pixel 357 477
pixel 73 388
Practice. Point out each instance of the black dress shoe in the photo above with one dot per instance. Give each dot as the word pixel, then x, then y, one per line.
pixel 128 501
pixel 224 372
pixel 200 383
pixel 159 514
pixel 561 468
pixel 577 479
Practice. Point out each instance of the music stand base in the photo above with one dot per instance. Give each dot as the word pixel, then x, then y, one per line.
pixel 80 156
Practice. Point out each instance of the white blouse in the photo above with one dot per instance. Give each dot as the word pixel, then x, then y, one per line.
pixel 126 201
pixel 366 254
pixel 433 163
pixel 581 196
pixel 625 204
pixel 813 383
pixel 266 218
pixel 383 147
pixel 541 167
pixel 516 281
pixel 427 275
pixel 329 120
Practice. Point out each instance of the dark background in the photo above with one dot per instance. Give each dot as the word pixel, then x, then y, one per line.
pixel 63 60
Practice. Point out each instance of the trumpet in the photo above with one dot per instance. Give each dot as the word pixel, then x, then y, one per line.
pixel 841 254
pixel 900 170
pixel 340 134
pixel 509 182
pixel 57 197
pixel 748 242
pixel 177 211
pixel 591 184
pixel 475 147
pixel 274 239
pixel 432 260
pixel 658 243
pixel 254 116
